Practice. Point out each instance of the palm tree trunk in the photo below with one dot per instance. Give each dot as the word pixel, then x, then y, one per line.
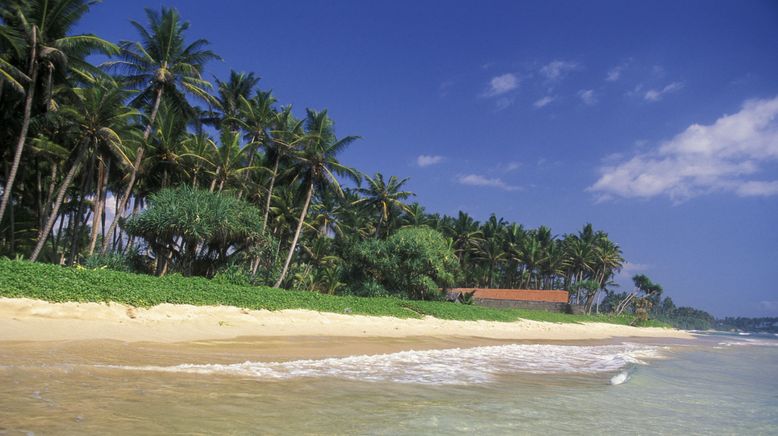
pixel 9 184
pixel 270 192
pixel 86 185
pixel 59 232
pixel 123 202
pixel 153 116
pixel 49 195
pixel 39 190
pixel 135 169
pixel 296 235
pixel 12 236
pixel 378 227
pixel 136 206
pixel 213 182
pixel 99 208
pixel 44 233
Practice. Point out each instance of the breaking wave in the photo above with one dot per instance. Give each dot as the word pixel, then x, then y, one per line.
pixel 447 366
pixel 750 342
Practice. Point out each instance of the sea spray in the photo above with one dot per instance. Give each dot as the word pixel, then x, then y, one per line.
pixel 447 366
pixel 620 378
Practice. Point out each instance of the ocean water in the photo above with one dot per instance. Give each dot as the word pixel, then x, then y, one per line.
pixel 716 384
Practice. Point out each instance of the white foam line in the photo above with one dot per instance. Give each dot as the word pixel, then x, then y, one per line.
pixel 750 342
pixel 448 366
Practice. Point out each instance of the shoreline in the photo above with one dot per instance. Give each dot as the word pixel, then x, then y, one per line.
pixel 23 319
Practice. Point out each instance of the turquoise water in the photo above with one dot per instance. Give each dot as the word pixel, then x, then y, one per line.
pixel 717 384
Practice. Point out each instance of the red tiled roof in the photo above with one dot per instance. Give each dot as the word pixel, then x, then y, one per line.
pixel 550 296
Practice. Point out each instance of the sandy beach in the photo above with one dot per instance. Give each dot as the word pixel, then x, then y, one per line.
pixel 35 320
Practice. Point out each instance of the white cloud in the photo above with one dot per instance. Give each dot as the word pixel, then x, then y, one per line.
pixel 479 180
pixel 756 188
pixel 501 84
pixel 588 97
pixel 724 156
pixel 543 101
pixel 426 160
pixel 614 73
pixel 510 166
pixel 653 95
pixel 557 69
pixel 629 269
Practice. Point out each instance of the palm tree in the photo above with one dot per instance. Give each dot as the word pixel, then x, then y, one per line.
pixel 349 222
pixel 255 116
pixel 415 215
pixel 533 257
pixel 102 121
pixel 317 167
pixel 490 250
pixel 608 262
pixel 165 151
pixel 161 65
pixel 230 95
pixel 514 239
pixel 287 134
pixel 49 49
pixel 197 156
pixel 229 159
pixel 11 46
pixel 325 217
pixel 384 198
pixel 490 247
pixel 466 232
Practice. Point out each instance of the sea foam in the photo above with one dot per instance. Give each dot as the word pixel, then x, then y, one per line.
pixel 447 366
pixel 750 342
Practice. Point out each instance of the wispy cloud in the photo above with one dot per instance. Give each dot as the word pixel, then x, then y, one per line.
pixel 629 269
pixel 654 95
pixel 588 97
pixel 558 69
pixel 724 156
pixel 769 306
pixel 479 180
pixel 426 160
pixel 614 73
pixel 509 166
pixel 757 188
pixel 543 101
pixel 499 85
pixel 503 103
pixel 445 87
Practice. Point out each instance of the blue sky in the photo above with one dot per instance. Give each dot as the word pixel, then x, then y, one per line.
pixel 655 121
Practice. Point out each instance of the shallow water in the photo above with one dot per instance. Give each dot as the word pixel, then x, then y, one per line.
pixel 716 384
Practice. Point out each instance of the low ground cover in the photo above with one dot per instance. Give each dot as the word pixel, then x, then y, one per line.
pixel 20 279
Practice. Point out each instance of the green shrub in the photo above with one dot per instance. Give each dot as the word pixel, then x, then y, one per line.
pixel 233 274
pixel 114 261
pixel 187 228
pixel 415 263
pixel 131 261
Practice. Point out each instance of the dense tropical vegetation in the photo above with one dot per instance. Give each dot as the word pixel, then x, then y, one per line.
pixel 758 325
pixel 143 164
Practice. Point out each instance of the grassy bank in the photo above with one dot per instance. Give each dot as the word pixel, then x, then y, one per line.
pixel 19 279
